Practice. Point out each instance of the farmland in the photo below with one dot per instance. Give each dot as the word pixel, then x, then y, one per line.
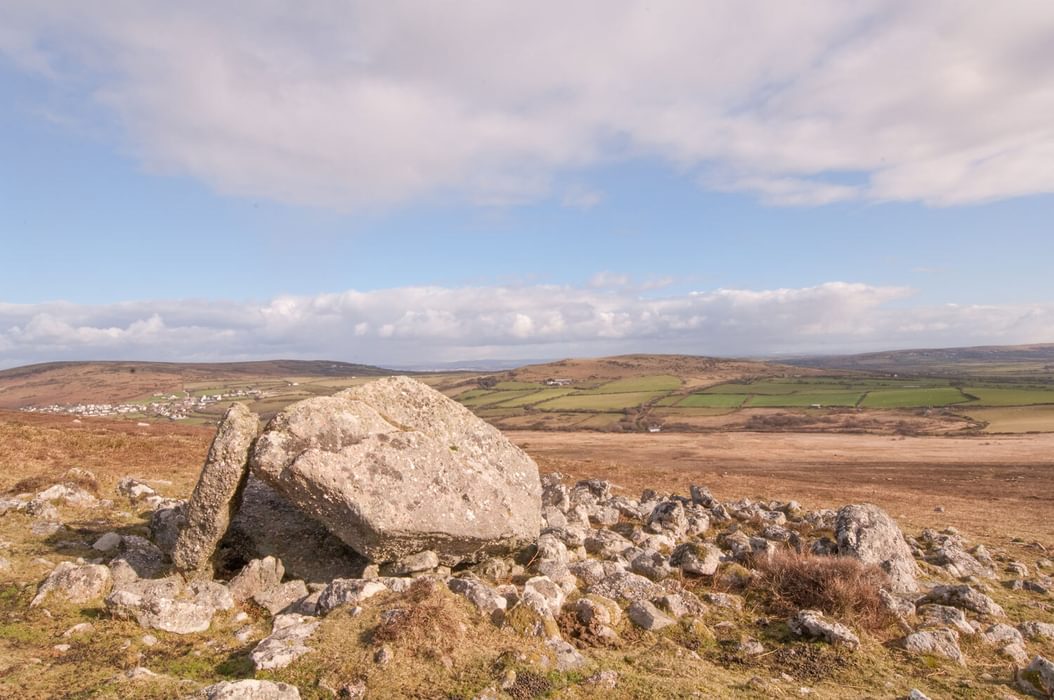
pixel 838 401
pixel 632 393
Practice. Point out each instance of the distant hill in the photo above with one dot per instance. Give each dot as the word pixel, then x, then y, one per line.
pixel 1019 360
pixel 693 370
pixel 77 382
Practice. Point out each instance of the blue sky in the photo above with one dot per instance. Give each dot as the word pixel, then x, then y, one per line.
pixel 464 182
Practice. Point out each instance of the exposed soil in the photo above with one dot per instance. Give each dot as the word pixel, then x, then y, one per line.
pixel 998 487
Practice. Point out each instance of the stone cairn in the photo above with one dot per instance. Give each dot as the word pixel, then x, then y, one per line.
pixel 341 498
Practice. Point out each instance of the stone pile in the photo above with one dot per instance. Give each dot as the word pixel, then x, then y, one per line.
pixel 344 500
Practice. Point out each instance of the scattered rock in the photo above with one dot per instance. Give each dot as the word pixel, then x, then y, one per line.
pixel 1037 630
pixel 348 592
pixel 645 615
pixel 812 623
pixel 412 563
pixel 605 680
pixel 250 690
pixel 107 543
pixel 1001 634
pixel 209 510
pixel 286 643
pixel 285 596
pixel 939 642
pixel 168 604
pixel 567 657
pixel 626 587
pixel 256 577
pixel 1037 678
pixel 142 556
pixel 965 597
pixel 701 559
pixel 74 583
pixel 945 616
pixel 79 628
pixel 393 467
pixel 166 522
pixel 867 533
pixel 489 602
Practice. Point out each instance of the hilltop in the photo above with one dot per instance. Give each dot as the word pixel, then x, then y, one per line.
pixel 1032 361
pixel 910 392
pixel 120 381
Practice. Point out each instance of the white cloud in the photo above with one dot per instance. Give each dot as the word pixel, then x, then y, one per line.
pixel 433 324
pixel 581 196
pixel 357 104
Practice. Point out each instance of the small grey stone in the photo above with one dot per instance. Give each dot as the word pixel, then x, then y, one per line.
pixel 286 643
pixel 1038 677
pixel 255 577
pixel 348 592
pixel 250 690
pixel 489 602
pixel 1001 634
pixel 1037 630
pixel 412 563
pixel 965 597
pixel 812 623
pixel 107 543
pixel 645 615
pixel 567 657
pixel 74 583
pixel 937 642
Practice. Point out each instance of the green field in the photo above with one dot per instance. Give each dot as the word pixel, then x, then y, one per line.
pixel 806 399
pixel 913 397
pixel 513 401
pixel 712 401
pixel 533 397
pixel 989 396
pixel 657 382
pixel 1015 419
pixel 489 398
pixel 598 402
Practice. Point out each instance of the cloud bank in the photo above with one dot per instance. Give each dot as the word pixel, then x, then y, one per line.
pixel 422 325
pixel 351 104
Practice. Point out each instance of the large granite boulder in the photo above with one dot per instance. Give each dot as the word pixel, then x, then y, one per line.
pixel 393 467
pixel 867 533
pixel 210 508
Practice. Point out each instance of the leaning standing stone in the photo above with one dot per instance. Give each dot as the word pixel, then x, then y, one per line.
pixel 210 508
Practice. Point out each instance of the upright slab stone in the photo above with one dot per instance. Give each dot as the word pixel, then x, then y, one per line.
pixel 211 506
pixel 867 533
pixel 393 467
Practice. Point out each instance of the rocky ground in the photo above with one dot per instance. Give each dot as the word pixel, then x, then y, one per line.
pixel 129 588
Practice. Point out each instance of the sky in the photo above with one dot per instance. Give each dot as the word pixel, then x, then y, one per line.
pixel 409 183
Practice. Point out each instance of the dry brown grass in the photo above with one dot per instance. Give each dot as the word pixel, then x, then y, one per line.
pixel 844 588
pixel 425 620
pixel 37 451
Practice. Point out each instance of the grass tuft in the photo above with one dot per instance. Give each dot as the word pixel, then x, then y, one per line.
pixel 426 621
pixel 842 587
